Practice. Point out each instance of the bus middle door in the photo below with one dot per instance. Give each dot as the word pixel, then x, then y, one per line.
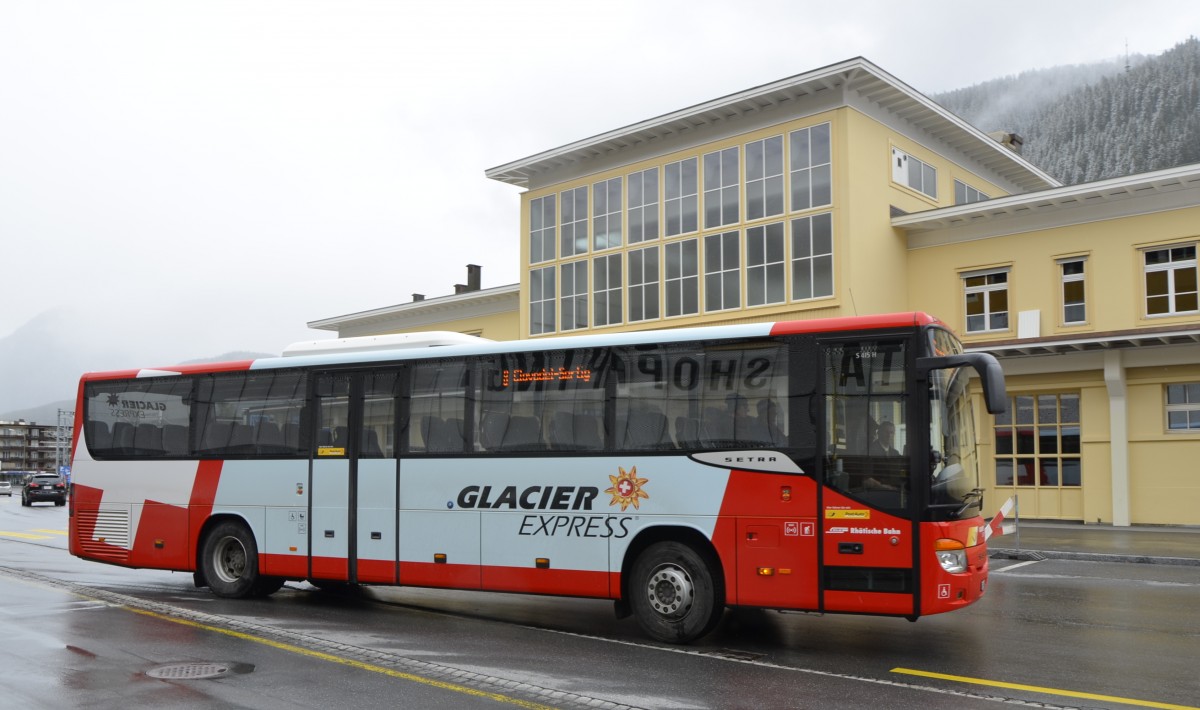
pixel 331 481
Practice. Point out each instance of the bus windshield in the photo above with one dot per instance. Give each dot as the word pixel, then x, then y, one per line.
pixel 954 462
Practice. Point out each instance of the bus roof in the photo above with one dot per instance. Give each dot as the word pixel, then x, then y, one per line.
pixel 412 346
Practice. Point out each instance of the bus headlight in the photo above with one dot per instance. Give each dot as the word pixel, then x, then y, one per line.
pixel 952 555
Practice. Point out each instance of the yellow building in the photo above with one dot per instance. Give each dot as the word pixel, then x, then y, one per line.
pixel 843 191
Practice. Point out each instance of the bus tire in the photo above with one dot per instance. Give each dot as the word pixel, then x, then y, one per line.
pixel 229 560
pixel 674 594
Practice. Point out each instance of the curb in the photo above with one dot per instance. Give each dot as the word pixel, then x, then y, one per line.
pixel 1092 557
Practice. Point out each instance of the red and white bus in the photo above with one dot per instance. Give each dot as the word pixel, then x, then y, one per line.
pixel 821 465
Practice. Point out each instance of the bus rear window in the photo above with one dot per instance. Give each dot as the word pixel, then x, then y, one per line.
pixel 138 418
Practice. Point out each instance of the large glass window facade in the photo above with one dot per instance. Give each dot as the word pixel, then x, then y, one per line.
pixel 721 200
pixel 574 238
pixel 643 206
pixel 681 201
pixel 812 257
pixel 574 298
pixel 722 272
pixel 541 301
pixel 764 178
pixel 606 214
pixel 542 228
pixel 811 167
pixel 682 278
pixel 765 280
pixel 643 284
pixel 606 281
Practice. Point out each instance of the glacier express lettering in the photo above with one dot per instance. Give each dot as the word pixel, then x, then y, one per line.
pixel 531 498
pixel 575 526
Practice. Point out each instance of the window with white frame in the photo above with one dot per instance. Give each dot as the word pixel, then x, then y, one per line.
pixel 573 298
pixel 606 214
pixel 812 257
pixel 914 173
pixel 722 272
pixel 721 205
pixel 1183 406
pixel 574 239
pixel 541 229
pixel 541 301
pixel 680 195
pixel 1171 280
pixel 643 284
pixel 811 167
pixel 643 206
pixel 987 300
pixel 765 280
pixel 1074 291
pixel 965 194
pixel 764 178
pixel 606 290
pixel 682 278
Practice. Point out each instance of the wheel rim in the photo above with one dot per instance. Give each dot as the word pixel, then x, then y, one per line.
pixel 670 591
pixel 229 559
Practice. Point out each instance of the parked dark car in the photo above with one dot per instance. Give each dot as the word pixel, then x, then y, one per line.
pixel 44 487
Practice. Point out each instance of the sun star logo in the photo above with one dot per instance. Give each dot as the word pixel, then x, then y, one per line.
pixel 627 489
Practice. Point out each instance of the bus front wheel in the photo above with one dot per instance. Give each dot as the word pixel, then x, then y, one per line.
pixel 674 594
pixel 230 563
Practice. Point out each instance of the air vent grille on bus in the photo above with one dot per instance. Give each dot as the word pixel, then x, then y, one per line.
pixel 110 536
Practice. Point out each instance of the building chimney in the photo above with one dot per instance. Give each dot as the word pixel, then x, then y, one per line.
pixel 418 297
pixel 1012 141
pixel 472 284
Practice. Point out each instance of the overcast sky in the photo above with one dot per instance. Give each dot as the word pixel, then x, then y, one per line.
pixel 183 179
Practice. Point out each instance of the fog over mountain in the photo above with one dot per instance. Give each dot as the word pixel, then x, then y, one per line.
pixel 41 362
pixel 1096 121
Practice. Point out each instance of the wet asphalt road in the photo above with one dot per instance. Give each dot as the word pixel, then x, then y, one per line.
pixel 1056 633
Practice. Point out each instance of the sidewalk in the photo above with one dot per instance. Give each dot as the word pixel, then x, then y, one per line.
pixel 1100 543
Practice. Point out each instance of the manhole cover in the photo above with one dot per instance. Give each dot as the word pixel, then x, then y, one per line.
pixel 189 671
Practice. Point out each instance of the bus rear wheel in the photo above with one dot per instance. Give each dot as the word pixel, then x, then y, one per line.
pixel 674 594
pixel 230 563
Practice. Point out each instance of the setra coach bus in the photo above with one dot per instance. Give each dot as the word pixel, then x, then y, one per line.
pixel 821 465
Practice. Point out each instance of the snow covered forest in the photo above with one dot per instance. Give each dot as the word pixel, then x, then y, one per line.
pixel 1090 122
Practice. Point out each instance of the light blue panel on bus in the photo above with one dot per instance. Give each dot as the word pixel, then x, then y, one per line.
pixel 275 492
pixel 330 512
pixel 377 509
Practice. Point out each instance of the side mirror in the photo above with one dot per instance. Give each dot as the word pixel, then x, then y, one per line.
pixel 985 365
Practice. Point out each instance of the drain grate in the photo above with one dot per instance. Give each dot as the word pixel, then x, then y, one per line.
pixel 189 671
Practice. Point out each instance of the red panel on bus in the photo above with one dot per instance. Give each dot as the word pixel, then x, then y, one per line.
pixel 430 574
pixel 829 325
pixel 563 582
pixel 162 538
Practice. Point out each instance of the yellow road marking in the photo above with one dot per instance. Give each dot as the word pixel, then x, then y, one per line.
pixel 528 705
pixel 1047 691
pixel 23 536
pixel 51 532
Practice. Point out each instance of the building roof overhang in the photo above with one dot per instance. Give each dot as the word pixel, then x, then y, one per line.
pixel 1112 340
pixel 455 305
pixel 856 75
pixel 1144 193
